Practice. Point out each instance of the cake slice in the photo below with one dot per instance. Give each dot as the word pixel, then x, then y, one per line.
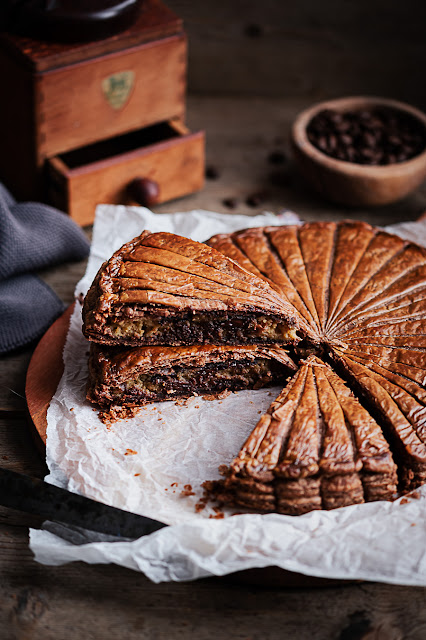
pixel 134 376
pixel 163 289
pixel 400 403
pixel 315 448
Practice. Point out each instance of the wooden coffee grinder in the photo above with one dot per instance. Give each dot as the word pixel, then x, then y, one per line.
pixel 99 121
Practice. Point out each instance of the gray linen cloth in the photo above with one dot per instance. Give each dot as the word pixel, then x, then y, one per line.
pixel 32 236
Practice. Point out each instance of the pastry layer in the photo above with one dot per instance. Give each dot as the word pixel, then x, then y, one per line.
pixel 133 377
pixel 162 289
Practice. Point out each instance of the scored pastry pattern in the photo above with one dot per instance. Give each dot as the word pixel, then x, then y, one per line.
pixel 315 448
pixel 168 290
pixel 362 293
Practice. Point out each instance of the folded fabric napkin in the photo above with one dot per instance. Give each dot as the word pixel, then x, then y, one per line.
pixel 32 236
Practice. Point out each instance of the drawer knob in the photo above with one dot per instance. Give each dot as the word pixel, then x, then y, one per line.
pixel 145 191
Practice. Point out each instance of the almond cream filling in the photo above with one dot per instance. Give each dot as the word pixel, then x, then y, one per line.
pixel 265 328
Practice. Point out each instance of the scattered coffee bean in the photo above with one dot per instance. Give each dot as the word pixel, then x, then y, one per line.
pixel 231 203
pixel 377 136
pixel 212 173
pixel 277 157
pixel 253 31
pixel 255 199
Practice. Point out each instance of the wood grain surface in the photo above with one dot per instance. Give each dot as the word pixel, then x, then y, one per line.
pixel 306 49
pixel 175 163
pixel 72 111
pixel 45 371
pixel 96 602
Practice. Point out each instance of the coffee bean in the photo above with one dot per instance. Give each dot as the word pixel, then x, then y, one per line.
pixel 367 152
pixel 231 203
pixel 345 139
pixel 322 143
pixel 369 139
pixel 332 142
pixel 401 157
pixel 253 31
pixel 343 126
pixel 277 157
pixel 368 136
pixel 212 173
pixel 394 141
pixel 255 199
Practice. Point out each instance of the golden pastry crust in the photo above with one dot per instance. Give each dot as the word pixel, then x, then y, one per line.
pixel 346 279
pixel 164 289
pixel 316 447
pixel 363 293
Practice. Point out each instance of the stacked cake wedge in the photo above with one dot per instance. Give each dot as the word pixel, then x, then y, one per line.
pixel 162 290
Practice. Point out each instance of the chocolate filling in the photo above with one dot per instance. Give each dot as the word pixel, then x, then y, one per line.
pixel 183 382
pixel 188 328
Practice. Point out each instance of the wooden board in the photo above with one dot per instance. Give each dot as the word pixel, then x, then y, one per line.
pixel 44 373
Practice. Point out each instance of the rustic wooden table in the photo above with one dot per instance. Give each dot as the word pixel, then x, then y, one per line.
pixel 98 602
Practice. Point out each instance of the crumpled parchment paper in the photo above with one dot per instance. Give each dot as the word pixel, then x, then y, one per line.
pixel 154 464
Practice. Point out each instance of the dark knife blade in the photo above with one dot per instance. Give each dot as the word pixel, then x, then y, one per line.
pixel 32 495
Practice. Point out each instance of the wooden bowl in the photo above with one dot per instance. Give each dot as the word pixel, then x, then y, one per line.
pixel 349 183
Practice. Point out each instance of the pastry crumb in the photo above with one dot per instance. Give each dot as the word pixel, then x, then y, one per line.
pixel 217 396
pixel 415 495
pixel 115 413
pixel 187 491
pixel 217 516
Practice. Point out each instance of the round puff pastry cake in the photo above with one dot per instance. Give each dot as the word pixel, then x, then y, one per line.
pixel 362 292
pixel 348 303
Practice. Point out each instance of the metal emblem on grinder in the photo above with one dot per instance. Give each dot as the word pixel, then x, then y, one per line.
pixel 117 88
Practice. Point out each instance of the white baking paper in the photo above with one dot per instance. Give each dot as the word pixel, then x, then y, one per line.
pixel 144 464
